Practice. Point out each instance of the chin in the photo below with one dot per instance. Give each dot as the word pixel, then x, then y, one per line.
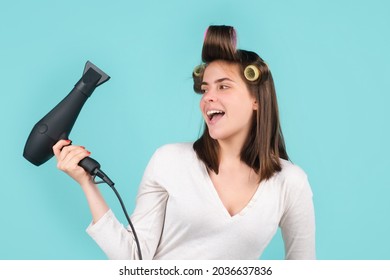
pixel 217 136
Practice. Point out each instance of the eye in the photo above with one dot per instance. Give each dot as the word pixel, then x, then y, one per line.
pixel 203 90
pixel 222 87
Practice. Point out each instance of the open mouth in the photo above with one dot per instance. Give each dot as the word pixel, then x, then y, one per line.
pixel 215 115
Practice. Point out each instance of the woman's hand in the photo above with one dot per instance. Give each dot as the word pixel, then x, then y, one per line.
pixel 68 156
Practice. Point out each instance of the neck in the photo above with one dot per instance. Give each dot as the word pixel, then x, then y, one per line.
pixel 230 161
pixel 230 151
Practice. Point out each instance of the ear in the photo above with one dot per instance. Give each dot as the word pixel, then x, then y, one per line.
pixel 255 105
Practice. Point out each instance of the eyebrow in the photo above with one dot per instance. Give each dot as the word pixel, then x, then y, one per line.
pixel 219 81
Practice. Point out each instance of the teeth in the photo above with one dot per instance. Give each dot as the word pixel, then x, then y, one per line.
pixel 212 112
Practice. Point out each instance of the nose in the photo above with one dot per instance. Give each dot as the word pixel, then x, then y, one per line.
pixel 210 96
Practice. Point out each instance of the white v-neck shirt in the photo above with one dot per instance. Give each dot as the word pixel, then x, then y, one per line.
pixel 179 215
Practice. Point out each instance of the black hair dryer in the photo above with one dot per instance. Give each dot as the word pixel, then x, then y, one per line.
pixel 58 123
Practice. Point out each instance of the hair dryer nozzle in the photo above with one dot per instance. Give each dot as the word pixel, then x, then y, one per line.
pixel 104 77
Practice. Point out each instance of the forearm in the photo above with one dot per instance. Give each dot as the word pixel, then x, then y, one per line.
pixel 96 202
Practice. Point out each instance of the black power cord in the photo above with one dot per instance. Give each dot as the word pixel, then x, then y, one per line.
pixel 93 168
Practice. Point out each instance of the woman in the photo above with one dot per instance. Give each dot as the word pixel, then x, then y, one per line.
pixel 224 196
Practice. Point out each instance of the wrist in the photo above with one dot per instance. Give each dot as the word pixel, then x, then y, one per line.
pixel 88 185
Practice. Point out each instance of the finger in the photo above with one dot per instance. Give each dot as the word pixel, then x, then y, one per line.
pixel 69 148
pixel 69 151
pixel 72 159
pixel 79 157
pixel 59 145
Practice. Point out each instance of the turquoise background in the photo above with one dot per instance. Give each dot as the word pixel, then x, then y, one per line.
pixel 331 64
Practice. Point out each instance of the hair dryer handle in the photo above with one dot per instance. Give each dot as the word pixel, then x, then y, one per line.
pixel 93 168
pixel 90 165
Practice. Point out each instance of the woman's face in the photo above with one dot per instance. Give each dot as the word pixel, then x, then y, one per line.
pixel 227 105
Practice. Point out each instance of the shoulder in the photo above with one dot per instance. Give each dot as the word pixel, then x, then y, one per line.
pixel 291 184
pixel 170 158
pixel 291 172
pixel 174 154
pixel 176 149
pixel 292 179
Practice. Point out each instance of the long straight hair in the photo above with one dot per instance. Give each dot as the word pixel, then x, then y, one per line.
pixel 264 145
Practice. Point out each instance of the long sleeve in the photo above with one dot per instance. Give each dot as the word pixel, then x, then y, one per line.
pixel 148 218
pixel 298 222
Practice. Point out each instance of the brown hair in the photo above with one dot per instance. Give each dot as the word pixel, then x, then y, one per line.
pixel 264 144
